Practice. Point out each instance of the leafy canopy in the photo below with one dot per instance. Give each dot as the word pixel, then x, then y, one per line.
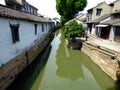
pixel 68 8
pixel 72 30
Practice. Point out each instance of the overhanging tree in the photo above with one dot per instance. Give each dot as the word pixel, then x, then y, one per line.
pixel 68 8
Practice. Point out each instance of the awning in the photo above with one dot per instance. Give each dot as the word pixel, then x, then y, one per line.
pixel 99 25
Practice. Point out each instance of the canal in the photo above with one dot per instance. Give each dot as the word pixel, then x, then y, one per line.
pixel 64 69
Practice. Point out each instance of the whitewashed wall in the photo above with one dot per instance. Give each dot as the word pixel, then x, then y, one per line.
pixel 8 50
pixel 93 29
pixel 112 34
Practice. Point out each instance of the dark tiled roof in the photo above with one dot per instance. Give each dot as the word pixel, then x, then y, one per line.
pixel 10 13
pixel 114 22
pixel 101 18
pixel 116 12
pixel 82 19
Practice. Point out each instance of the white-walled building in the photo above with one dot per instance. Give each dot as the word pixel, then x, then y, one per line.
pixel 18 31
pixel 109 28
pixel 103 21
pixel 95 13
pixel 21 5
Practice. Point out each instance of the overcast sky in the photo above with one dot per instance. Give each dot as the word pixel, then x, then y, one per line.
pixel 48 7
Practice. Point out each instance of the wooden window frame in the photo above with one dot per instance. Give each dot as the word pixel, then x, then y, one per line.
pixel 98 11
pixel 42 27
pixel 35 28
pixel 15 32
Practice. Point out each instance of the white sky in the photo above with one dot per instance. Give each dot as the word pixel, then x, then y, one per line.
pixel 48 7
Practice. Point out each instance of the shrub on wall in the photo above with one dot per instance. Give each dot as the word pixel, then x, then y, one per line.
pixel 72 30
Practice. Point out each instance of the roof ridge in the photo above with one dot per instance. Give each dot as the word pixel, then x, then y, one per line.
pixel 102 17
pixel 12 13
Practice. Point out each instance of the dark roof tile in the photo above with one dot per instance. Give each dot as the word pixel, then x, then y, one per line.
pixel 10 13
pixel 102 18
pixel 112 22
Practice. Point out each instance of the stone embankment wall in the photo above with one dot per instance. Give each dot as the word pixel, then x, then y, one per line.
pixel 9 71
pixel 106 59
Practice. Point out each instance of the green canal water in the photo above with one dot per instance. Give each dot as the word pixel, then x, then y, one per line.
pixel 65 69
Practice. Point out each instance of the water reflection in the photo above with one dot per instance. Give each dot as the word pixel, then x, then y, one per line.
pixel 75 65
pixel 32 74
pixel 115 87
pixel 65 70
pixel 69 66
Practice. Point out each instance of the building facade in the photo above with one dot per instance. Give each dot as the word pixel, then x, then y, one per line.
pixel 109 29
pixel 19 30
pixel 103 21
pixel 95 13
pixel 116 6
pixel 23 36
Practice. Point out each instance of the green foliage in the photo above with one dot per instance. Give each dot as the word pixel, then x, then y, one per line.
pixel 72 30
pixel 68 8
pixel 63 20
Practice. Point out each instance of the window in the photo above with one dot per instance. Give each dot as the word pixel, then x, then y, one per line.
pixel 98 12
pixel 117 32
pixel 15 32
pixel 46 25
pixel 35 12
pixel 117 15
pixel 13 6
pixel 42 27
pixel 35 29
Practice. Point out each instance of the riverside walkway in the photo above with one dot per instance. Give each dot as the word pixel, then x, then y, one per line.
pixel 105 43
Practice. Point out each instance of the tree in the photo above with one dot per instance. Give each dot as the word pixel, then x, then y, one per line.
pixel 72 30
pixel 68 8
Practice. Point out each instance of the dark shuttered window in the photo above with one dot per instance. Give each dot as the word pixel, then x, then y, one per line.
pixel 15 32
pixel 42 27
pixel 35 29
pixel 98 12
